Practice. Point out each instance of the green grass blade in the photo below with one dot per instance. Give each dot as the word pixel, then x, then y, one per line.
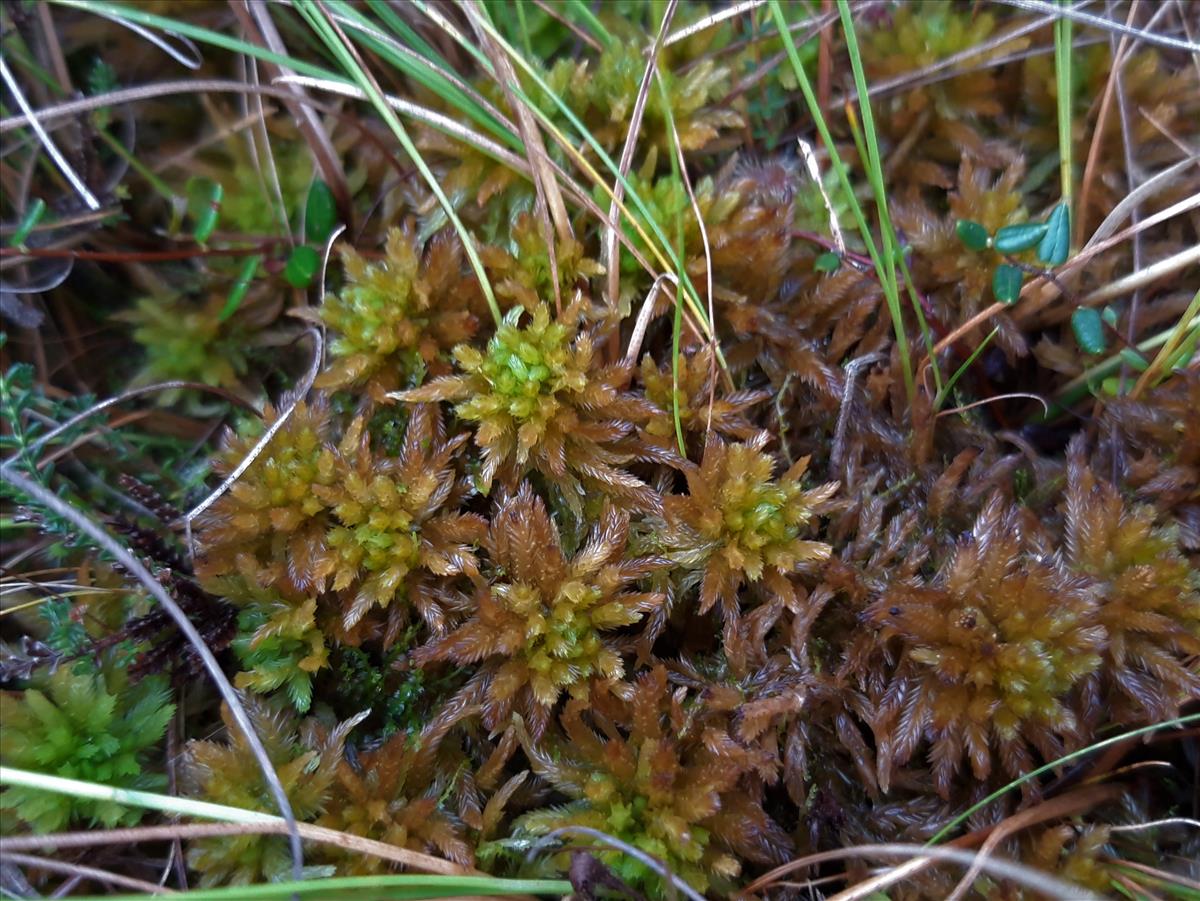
pixel 1062 77
pixel 333 41
pixel 184 807
pixel 949 828
pixel 197 33
pixel 422 64
pixel 405 887
pixel 584 12
pixel 874 166
pixel 661 247
pixel 677 320
pixel 884 271
pixel 944 391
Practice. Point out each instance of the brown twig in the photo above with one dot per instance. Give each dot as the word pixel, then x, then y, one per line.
pixel 1019 873
pixel 1053 809
pixel 260 28
pixel 86 872
pixel 188 831
pixel 1093 157
pixel 549 202
pixel 610 258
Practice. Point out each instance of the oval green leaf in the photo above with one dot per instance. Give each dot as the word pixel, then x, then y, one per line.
pixel 1134 359
pixel 1017 238
pixel 1089 330
pixel 973 235
pixel 320 213
pixel 302 265
pixel 204 205
pixel 33 215
pixel 828 262
pixel 238 293
pixel 1006 283
pixel 1055 245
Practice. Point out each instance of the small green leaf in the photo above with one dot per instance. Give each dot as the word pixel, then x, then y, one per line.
pixel 972 234
pixel 1134 359
pixel 29 221
pixel 1109 315
pixel 238 292
pixel 828 262
pixel 1055 245
pixel 1016 238
pixel 320 213
pixel 1111 386
pixel 1006 283
pixel 302 265
pixel 204 205
pixel 101 79
pixel 1089 330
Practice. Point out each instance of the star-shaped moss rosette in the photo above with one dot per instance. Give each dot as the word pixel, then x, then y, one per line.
pixel 389 794
pixel 703 405
pixel 661 778
pixel 271 522
pixel 542 402
pixel 990 652
pixel 545 624
pixel 226 772
pixel 737 524
pixel 399 317
pixel 393 522
pixel 1149 600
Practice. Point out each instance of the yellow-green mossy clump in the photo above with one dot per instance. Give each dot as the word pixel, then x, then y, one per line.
pixel 542 402
pixel 1149 600
pixel 271 523
pixel 545 624
pixel 394 525
pixel 989 653
pixel 388 794
pixel 738 524
pixel 603 96
pixel 662 777
pixel 226 772
pixel 399 317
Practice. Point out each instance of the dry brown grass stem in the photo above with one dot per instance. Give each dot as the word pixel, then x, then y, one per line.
pixel 256 20
pixel 1085 18
pixel 1155 872
pixel 415 860
pixel 475 139
pixel 85 872
pixel 1093 157
pixel 729 12
pixel 610 257
pixel 1053 809
pixel 550 9
pixel 549 202
pixel 999 869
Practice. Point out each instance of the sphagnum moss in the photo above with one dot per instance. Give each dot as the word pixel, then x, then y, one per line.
pixel 476 558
